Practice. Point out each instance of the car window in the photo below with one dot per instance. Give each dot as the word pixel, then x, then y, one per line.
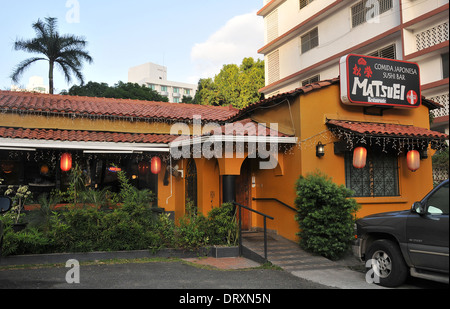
pixel 438 202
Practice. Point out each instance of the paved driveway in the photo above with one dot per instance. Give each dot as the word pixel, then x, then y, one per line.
pixel 152 275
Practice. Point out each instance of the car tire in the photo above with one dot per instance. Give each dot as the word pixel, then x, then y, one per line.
pixel 388 265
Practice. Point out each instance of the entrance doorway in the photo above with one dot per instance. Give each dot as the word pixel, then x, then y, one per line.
pixel 243 193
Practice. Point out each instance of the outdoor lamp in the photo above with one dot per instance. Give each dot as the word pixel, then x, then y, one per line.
pixel 359 157
pixel 320 150
pixel 66 162
pixel 156 165
pixel 413 160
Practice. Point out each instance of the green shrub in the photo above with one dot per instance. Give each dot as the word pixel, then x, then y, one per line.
pixel 223 228
pixel 131 227
pixel 325 215
pixel 29 241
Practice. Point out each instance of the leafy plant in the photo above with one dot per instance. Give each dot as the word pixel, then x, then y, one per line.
pixel 41 217
pixel 99 198
pixel 19 198
pixel 223 226
pixel 325 215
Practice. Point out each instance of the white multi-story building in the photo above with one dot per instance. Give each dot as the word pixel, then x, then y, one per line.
pixel 304 40
pixel 155 77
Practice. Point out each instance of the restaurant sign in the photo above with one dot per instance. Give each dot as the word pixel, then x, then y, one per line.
pixel 371 81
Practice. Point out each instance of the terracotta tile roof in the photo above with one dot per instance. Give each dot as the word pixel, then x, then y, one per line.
pixel 386 129
pixel 84 136
pixel 309 88
pixel 279 97
pixel 248 127
pixel 63 104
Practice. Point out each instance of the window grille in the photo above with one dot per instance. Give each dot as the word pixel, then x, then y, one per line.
pixel 443 100
pixel 313 79
pixel 385 52
pixel 272 26
pixel 432 36
pixel 191 183
pixel 304 3
pixel 274 66
pixel 378 178
pixel 310 40
pixel 361 10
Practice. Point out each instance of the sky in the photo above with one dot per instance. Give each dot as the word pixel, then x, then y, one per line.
pixel 193 39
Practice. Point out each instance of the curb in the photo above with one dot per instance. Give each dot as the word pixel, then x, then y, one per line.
pixel 62 258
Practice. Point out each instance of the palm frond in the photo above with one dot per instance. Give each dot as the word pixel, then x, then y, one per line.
pixel 65 50
pixel 22 67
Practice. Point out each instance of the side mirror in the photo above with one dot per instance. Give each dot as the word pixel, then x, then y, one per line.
pixel 418 208
pixel 5 204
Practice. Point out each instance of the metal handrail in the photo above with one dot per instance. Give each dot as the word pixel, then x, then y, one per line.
pixel 274 199
pixel 240 227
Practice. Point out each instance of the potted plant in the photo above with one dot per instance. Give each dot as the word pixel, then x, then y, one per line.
pixel 19 198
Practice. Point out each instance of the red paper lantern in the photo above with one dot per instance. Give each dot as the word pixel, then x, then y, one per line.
pixel 413 160
pixel 66 162
pixel 156 165
pixel 360 157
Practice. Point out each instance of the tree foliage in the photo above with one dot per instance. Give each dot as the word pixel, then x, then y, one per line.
pixel 235 85
pixel 65 51
pixel 120 90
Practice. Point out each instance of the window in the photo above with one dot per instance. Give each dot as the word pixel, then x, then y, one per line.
pixel 191 183
pixel 310 40
pixel 272 26
pixel 304 3
pixel 176 90
pixel 187 91
pixel 164 88
pixel 365 9
pixel 273 66
pixel 385 52
pixel 437 203
pixel 378 178
pixel 312 79
pixel 152 86
pixel 176 100
pixel 444 65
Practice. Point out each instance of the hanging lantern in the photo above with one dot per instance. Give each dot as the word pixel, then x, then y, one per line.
pixel 156 165
pixel 413 160
pixel 144 167
pixel 66 162
pixel 44 169
pixel 359 157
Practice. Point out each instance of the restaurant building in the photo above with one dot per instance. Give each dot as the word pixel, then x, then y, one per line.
pixel 210 155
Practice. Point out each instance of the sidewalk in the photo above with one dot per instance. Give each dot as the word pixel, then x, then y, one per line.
pixel 290 257
pixel 229 263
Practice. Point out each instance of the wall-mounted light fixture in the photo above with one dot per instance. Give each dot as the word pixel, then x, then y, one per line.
pixel 320 150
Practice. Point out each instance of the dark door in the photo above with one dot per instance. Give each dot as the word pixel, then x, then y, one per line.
pixel 243 193
pixel 427 234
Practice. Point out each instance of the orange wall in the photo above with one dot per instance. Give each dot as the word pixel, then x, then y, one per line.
pixel 310 112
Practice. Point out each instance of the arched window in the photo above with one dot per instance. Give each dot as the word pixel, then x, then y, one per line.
pixel 191 187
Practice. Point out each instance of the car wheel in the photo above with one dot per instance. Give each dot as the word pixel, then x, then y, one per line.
pixel 388 264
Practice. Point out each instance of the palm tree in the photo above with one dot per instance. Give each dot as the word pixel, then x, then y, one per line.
pixel 66 51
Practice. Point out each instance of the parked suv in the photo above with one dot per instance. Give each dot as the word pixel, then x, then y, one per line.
pixel 414 241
